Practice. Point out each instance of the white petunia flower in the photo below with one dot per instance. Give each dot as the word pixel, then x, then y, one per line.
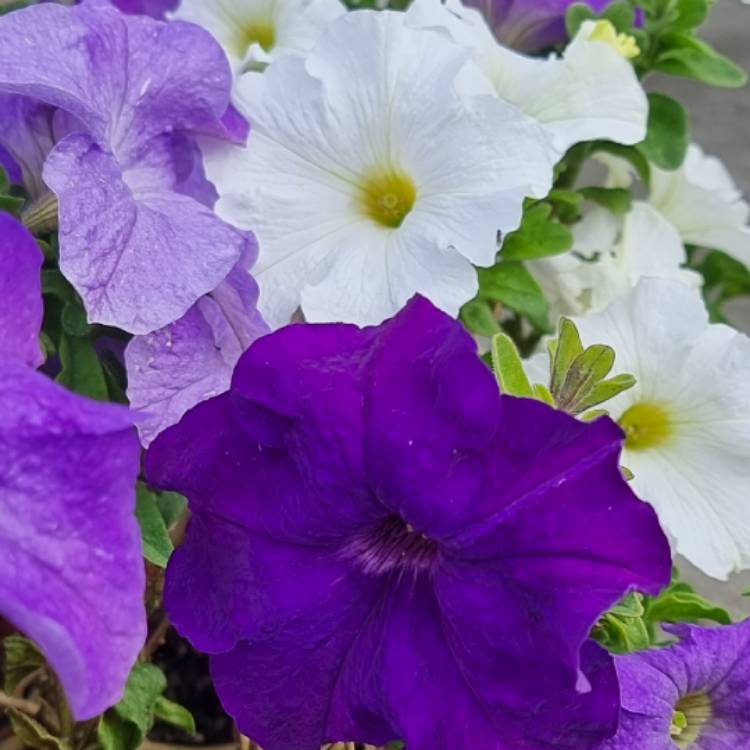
pixel 687 420
pixel 367 177
pixel 700 199
pixel 259 31
pixel 589 93
pixel 610 255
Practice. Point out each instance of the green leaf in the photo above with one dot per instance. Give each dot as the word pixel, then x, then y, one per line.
pixel 668 133
pixel 566 349
pixel 81 370
pixel 588 368
pixel 604 391
pixel 690 14
pixel 688 57
pixel 125 726
pixel 616 200
pixel 575 16
pixel 620 14
pixel 680 603
pixel 477 316
pixel 171 506
pixel 73 319
pixel 10 204
pixel 508 368
pixel 513 286
pixel 157 546
pixel 538 236
pixel 174 714
pixel 56 285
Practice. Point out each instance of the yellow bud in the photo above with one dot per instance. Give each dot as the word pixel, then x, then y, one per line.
pixel 625 44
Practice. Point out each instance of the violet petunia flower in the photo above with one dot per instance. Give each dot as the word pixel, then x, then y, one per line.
pixel 529 25
pixel 192 359
pixel 71 569
pixel 139 251
pixel 153 8
pixel 382 546
pixel 694 695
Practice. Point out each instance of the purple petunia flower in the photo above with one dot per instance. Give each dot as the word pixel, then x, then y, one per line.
pixel 382 546
pixel 153 8
pixel 71 570
pixel 694 695
pixel 529 25
pixel 138 248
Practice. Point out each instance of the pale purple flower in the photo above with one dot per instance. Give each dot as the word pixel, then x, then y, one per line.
pixel 694 695
pixel 138 251
pixel 153 8
pixel 71 570
pixel 529 25
pixel 192 359
pixel 382 546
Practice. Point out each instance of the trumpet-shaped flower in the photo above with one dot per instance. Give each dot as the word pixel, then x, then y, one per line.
pixel 367 177
pixel 590 92
pixel 687 420
pixel 127 88
pixel 258 31
pixel 529 25
pixel 610 255
pixel 694 695
pixel 71 571
pixel 382 546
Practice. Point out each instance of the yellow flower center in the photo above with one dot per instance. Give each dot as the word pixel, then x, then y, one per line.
pixel 256 32
pixel 625 44
pixel 387 196
pixel 691 714
pixel 646 426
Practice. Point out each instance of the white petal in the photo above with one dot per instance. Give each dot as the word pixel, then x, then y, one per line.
pixel 373 93
pixel 703 203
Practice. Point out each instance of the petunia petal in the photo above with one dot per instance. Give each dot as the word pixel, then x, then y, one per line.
pixel 21 306
pixel 138 253
pixel 72 573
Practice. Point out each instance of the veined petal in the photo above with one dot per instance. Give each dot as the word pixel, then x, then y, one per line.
pixel 139 254
pixel 72 573
pixel 21 307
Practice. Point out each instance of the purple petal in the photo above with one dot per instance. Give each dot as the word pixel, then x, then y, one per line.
pixel 529 25
pixel 153 8
pixel 138 253
pixel 434 408
pixel 21 307
pixel 27 134
pixel 11 166
pixel 191 360
pixel 127 79
pixel 72 573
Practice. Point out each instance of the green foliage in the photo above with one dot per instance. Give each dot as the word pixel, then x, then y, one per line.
pixel 157 546
pixel 680 603
pixel 616 200
pixel 9 202
pixel 508 368
pixel 478 317
pixel 725 279
pixel 578 376
pixel 538 236
pixel 125 726
pixel 631 154
pixel 620 14
pixel 668 133
pixel 622 630
pixel 511 285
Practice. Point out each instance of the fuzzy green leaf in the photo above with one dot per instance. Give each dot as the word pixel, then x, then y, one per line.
pixel 513 286
pixel 157 546
pixel 538 236
pixel 668 133
pixel 508 368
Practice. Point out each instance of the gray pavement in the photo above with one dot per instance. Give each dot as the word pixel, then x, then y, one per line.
pixel 721 124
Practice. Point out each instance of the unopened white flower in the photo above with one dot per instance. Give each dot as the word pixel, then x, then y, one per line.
pixel 367 177
pixel 610 255
pixel 253 31
pixel 700 199
pixel 589 93
pixel 687 420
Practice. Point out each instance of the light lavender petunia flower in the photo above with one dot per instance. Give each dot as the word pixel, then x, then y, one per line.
pixel 71 570
pixel 139 252
pixel 694 695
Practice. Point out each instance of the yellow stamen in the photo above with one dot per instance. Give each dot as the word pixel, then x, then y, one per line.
pixel 260 32
pixel 691 714
pixel 387 196
pixel 646 426
pixel 625 44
